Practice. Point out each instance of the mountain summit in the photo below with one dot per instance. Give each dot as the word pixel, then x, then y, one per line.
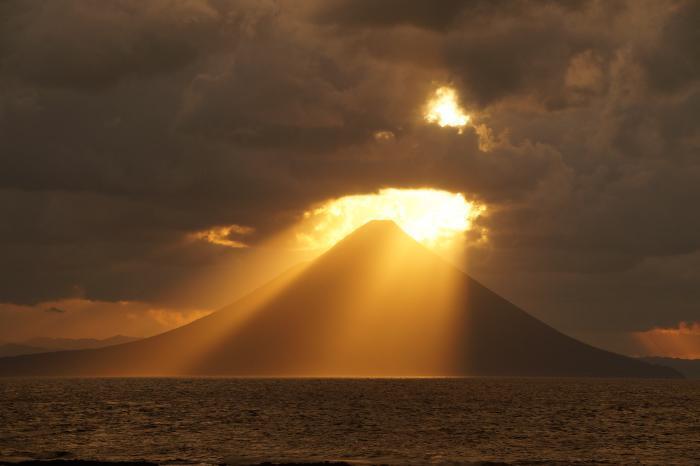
pixel 376 304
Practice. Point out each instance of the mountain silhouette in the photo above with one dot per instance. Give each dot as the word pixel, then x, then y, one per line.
pixel 376 304
pixel 689 368
pixel 58 344
pixel 48 344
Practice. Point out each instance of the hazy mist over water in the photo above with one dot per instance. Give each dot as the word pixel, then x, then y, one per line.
pixel 395 421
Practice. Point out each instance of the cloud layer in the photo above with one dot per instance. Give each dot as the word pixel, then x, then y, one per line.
pixel 128 126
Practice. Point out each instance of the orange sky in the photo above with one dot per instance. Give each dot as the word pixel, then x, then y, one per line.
pixel 679 342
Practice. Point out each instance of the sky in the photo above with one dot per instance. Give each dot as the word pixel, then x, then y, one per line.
pixel 152 152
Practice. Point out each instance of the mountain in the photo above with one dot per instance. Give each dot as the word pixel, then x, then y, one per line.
pixel 46 345
pixel 376 304
pixel 690 368
pixel 57 344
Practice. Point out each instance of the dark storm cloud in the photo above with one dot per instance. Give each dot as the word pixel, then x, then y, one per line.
pixel 126 126
pixel 91 44
pixel 495 49
pixel 439 16
pixel 367 13
pixel 674 61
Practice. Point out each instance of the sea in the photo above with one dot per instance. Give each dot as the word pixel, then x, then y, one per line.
pixel 364 421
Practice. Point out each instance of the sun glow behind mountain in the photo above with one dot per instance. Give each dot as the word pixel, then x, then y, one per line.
pixel 432 217
pixel 445 222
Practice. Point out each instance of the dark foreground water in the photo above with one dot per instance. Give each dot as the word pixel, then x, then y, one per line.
pixel 391 421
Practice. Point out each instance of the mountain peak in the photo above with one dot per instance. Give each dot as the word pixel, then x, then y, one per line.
pixel 373 240
pixel 377 233
pixel 380 226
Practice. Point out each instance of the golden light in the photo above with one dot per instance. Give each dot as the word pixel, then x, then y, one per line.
pixel 444 110
pixel 432 217
pixel 350 338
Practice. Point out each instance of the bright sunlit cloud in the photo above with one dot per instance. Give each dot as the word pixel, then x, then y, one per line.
pixel 443 109
pixel 224 235
pixel 430 216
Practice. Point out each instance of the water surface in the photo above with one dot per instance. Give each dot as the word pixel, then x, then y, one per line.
pixel 393 421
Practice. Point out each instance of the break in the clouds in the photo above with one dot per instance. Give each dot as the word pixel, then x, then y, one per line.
pixel 127 128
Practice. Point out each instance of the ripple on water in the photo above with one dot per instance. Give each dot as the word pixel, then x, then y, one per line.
pixel 390 421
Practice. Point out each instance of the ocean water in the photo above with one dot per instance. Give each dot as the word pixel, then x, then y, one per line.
pixel 386 421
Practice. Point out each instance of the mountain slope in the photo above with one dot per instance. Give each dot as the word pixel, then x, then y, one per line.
pixel 376 304
pixel 58 344
pixel 47 345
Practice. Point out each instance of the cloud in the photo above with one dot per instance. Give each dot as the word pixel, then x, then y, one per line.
pixel 673 63
pixel 224 236
pixel 682 341
pixel 392 12
pixel 127 128
pixel 46 42
pixel 448 14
